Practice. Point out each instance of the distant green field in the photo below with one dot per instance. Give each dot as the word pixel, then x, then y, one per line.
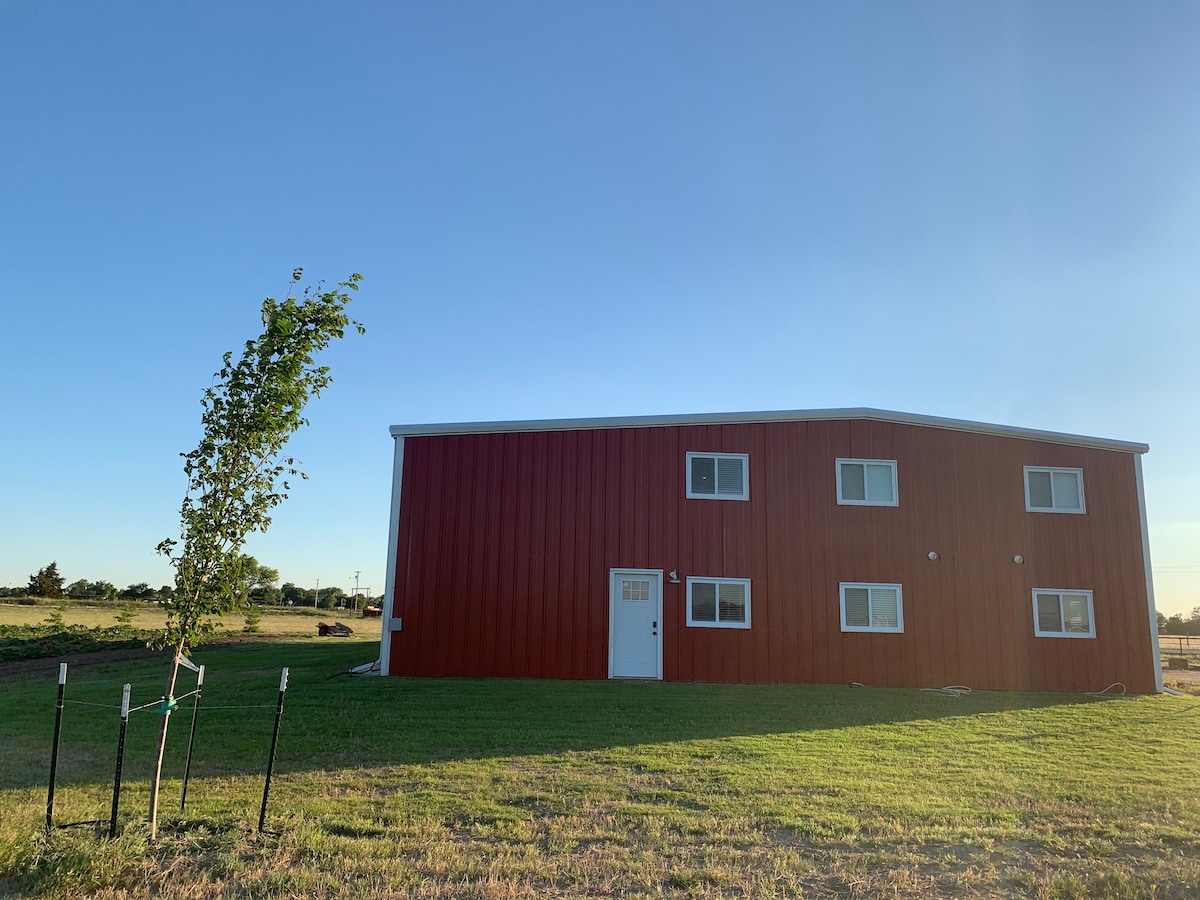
pixel 490 788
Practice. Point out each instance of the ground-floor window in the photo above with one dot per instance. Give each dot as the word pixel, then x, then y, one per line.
pixel 718 602
pixel 1063 613
pixel 872 607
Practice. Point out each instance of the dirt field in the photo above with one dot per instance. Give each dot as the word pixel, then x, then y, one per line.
pixel 1186 681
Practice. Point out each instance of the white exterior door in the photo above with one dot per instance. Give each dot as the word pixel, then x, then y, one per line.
pixel 634 617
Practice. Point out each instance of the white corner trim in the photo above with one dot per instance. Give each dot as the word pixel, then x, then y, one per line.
pixel 793 415
pixel 1150 606
pixel 389 587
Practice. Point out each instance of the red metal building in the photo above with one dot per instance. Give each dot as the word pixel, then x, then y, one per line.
pixel 821 547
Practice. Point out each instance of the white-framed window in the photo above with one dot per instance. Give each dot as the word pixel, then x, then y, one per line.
pixel 718 602
pixel 1063 613
pixel 1054 490
pixel 867 482
pixel 872 607
pixel 718 476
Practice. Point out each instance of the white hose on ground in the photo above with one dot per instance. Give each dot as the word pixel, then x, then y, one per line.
pixel 950 690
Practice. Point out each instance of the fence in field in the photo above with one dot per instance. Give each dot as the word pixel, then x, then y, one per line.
pixel 1180 644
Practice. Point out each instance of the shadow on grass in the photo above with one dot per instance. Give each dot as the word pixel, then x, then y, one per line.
pixel 332 723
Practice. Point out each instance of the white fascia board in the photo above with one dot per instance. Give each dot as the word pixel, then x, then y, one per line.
pixel 795 415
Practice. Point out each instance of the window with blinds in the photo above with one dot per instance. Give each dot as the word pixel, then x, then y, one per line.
pixel 1063 613
pixel 718 476
pixel 718 602
pixel 867 482
pixel 872 607
pixel 1054 490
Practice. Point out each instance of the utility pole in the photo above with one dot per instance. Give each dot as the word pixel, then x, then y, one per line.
pixel 317 597
pixel 356 574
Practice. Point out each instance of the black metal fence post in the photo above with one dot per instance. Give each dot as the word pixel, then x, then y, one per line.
pixel 58 714
pixel 112 822
pixel 187 769
pixel 262 814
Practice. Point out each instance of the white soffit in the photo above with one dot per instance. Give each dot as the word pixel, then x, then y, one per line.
pixel 793 415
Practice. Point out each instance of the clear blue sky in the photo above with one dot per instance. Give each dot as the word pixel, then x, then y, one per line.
pixel 985 211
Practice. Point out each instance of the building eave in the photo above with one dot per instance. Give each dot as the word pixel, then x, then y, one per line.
pixel 793 415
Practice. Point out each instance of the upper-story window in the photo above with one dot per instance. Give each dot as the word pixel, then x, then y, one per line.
pixel 1054 490
pixel 867 482
pixel 718 476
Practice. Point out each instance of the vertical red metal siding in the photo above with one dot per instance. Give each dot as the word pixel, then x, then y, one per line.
pixel 506 542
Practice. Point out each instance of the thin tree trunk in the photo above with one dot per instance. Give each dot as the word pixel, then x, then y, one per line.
pixel 156 774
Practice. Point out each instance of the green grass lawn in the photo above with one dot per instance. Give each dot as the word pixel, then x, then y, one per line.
pixel 498 789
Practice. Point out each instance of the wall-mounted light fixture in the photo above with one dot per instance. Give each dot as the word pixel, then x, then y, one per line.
pixel 673 578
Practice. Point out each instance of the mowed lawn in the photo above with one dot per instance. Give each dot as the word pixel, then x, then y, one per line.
pixel 495 789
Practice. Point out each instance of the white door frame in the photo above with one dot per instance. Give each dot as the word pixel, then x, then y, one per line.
pixel 612 617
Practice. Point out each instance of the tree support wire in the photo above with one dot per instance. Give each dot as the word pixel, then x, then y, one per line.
pixel 78 824
pixel 262 814
pixel 116 804
pixel 187 769
pixel 126 711
pixel 86 703
pixel 58 714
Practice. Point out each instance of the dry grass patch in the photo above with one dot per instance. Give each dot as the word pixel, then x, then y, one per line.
pixel 148 616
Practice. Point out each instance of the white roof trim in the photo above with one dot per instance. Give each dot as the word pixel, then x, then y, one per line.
pixel 792 415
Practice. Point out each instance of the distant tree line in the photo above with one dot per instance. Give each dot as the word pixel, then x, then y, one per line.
pixel 1177 624
pixel 48 583
pixel 258 585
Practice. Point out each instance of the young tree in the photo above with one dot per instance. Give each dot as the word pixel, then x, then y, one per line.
pixel 46 582
pixel 238 473
pixel 253 617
